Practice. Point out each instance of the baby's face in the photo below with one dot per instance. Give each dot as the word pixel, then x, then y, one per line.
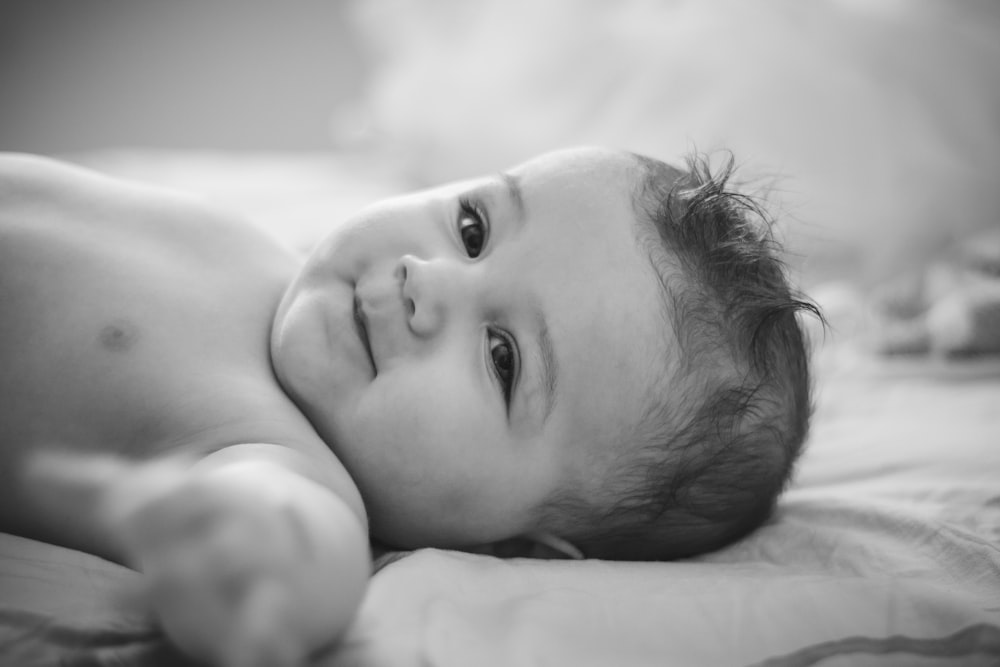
pixel 469 350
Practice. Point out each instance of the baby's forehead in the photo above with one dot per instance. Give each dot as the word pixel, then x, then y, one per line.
pixel 596 186
pixel 644 183
pixel 631 359
pixel 586 164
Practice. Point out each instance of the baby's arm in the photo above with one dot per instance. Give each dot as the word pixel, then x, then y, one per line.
pixel 248 559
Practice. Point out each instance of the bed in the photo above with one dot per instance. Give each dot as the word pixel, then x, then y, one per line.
pixel 886 548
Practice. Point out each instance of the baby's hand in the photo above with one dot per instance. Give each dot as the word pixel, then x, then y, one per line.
pixel 219 557
pixel 232 560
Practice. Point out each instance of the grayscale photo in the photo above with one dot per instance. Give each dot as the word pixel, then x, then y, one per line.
pixel 500 333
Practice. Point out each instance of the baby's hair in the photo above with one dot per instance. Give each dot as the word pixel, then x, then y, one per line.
pixel 719 438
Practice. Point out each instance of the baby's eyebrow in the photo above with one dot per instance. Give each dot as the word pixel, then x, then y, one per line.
pixel 549 370
pixel 512 185
pixel 538 396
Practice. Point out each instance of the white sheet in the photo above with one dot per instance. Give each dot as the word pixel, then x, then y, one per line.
pixel 890 539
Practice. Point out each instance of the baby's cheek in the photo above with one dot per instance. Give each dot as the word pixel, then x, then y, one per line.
pixel 394 426
pixel 424 416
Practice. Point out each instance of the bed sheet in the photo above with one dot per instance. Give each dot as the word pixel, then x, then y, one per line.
pixel 886 550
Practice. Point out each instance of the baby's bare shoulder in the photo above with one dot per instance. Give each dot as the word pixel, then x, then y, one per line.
pixel 33 187
pixel 25 178
pixel 25 166
pixel 39 191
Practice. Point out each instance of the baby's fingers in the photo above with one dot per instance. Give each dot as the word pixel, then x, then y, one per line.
pixel 101 477
pixel 67 483
pixel 71 480
pixel 264 635
pixel 112 490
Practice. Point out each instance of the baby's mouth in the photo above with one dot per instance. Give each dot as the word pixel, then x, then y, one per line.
pixel 361 325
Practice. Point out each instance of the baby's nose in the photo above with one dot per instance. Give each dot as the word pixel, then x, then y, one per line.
pixel 425 292
pixel 403 273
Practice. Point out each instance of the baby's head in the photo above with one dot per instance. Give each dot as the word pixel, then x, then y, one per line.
pixel 728 413
pixel 593 345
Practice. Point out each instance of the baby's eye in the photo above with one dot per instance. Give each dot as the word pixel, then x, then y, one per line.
pixel 504 359
pixel 472 228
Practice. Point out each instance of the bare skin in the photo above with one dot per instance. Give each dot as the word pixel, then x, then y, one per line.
pixel 136 323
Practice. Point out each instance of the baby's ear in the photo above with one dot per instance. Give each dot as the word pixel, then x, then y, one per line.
pixel 533 545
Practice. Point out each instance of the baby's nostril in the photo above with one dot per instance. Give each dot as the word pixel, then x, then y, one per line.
pixel 411 307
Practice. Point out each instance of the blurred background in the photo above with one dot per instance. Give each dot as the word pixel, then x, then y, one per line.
pixel 232 74
pixel 873 124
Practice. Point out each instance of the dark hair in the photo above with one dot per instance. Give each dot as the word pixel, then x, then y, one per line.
pixel 717 449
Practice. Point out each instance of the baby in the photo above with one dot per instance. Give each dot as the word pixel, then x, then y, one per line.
pixel 594 346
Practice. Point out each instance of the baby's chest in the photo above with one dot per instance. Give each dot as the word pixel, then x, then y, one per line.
pixel 111 345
